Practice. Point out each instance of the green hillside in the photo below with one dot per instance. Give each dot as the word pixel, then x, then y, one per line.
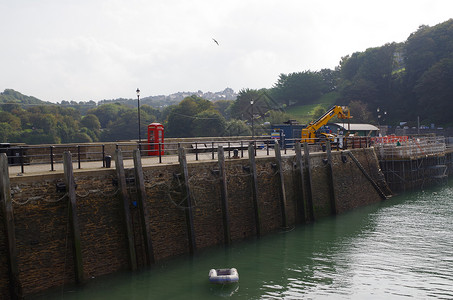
pixel 12 96
pixel 304 113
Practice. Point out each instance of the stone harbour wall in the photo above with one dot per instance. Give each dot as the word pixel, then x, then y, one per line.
pixel 45 244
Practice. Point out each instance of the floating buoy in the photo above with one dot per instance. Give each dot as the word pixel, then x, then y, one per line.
pixel 223 275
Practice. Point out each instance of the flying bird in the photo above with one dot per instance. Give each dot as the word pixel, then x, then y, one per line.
pixel 216 42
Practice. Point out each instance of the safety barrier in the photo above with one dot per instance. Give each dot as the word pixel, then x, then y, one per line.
pixel 411 148
pixel 389 139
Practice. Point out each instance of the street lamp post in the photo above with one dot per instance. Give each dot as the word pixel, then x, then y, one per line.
pixel 378 116
pixel 253 117
pixel 138 112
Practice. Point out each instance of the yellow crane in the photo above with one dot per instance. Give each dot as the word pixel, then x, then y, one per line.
pixel 310 133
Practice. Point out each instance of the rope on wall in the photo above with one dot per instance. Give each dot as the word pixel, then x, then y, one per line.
pixel 38 198
pixel 206 175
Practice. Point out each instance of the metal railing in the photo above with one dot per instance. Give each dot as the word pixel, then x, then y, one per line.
pixel 411 148
pixel 157 153
pixel 52 155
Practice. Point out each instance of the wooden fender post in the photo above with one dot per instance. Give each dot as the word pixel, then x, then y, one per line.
pixel 189 211
pixel 278 158
pixel 254 179
pixel 301 201
pixel 310 184
pixel 142 206
pixel 333 201
pixel 73 218
pixel 224 195
pixel 8 218
pixel 125 208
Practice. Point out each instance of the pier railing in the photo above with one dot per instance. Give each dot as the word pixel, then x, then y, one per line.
pixel 101 155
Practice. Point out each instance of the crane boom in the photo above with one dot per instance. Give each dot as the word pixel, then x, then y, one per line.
pixel 309 133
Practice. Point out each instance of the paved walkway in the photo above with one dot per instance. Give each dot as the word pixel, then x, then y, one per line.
pixel 41 169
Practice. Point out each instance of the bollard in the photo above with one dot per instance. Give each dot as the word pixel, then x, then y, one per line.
pixel 108 161
pixel 235 153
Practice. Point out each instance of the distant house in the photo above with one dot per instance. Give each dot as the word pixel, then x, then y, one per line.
pixel 356 129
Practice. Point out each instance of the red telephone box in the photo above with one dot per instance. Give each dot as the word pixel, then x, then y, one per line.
pixel 155 138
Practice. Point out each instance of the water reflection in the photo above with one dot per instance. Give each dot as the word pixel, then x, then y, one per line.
pixel 396 249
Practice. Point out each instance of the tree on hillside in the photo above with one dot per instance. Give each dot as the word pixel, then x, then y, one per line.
pixel 10 107
pixel 107 113
pixel 425 47
pixel 241 108
pixel 150 114
pixel 367 76
pixel 44 122
pixel 12 120
pixel 360 112
pixel 317 112
pixel 277 117
pixel 5 132
pixel 330 79
pixel 360 90
pixel 262 103
pixel 427 59
pixel 301 87
pixel 90 127
pixel 12 96
pixel 66 129
pixel 91 122
pixel 125 127
pixel 236 127
pixel 434 92
pixel 181 117
pixel 224 107
pixel 209 123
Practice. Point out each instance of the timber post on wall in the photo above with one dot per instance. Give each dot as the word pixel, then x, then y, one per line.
pixel 278 158
pixel 333 200
pixel 142 206
pixel 254 180
pixel 73 217
pixel 8 217
pixel 189 210
pixel 310 184
pixel 224 196
pixel 125 208
pixel 301 203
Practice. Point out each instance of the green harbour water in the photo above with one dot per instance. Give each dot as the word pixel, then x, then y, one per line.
pixel 398 249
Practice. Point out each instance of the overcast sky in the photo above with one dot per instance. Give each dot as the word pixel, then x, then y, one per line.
pixel 104 49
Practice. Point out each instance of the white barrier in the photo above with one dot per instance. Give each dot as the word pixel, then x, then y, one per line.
pixel 412 147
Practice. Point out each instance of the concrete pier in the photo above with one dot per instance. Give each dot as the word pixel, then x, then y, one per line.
pixel 110 222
